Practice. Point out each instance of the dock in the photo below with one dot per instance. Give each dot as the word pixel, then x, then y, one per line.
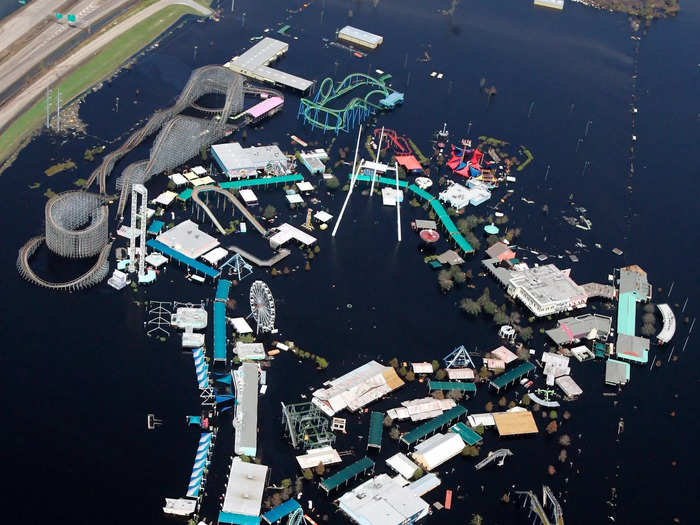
pixel 254 64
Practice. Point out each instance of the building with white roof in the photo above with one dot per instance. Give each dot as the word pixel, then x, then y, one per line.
pixel 401 464
pixel 246 351
pixel 238 162
pixel 420 409
pixel 383 501
pixel 286 232
pixel 316 456
pixel 323 216
pixel 215 256
pixel 544 290
pixel 568 386
pixel 244 492
pixel 357 388
pixel 188 239
pixel 241 326
pixel 314 160
pixel 437 449
pixel 360 37
pixel 459 196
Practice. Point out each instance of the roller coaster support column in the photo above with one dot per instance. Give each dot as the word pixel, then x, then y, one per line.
pixel 138 213
pixel 379 149
pixel 398 202
pixel 352 182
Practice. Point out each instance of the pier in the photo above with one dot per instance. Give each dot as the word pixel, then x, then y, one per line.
pixel 254 64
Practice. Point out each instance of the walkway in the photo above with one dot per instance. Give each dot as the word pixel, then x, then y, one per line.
pixel 234 201
pixel 499 454
pixel 180 257
pixel 277 257
pixel 93 276
pixel 441 214
pixel 222 289
pixel 263 181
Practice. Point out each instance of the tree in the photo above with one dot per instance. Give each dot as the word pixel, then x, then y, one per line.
pixel 552 427
pixel 434 363
pixel 286 482
pixel 526 333
pixel 394 363
pixel 458 275
pixel 269 211
pixel 457 395
pixel 525 401
pixel 476 520
pixel 470 306
pixel 437 394
pixel 553 414
pixel 565 440
pixel 332 182
pixel 489 407
pixel 321 362
pixel 387 421
pixel 394 433
pixel 402 371
pixel 320 469
pixel 417 474
pixel 440 374
pixel 470 451
pixel 500 318
pixel 410 376
pixel 502 401
pixel 308 474
pixel 647 329
pixel 485 297
pixel 479 429
pixel 489 307
pixel 446 284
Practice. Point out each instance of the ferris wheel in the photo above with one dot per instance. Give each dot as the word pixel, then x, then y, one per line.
pixel 262 306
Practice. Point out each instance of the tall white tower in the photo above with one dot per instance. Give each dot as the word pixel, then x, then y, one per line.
pixel 138 214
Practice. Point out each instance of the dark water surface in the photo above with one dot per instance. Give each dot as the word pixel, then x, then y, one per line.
pixel 79 376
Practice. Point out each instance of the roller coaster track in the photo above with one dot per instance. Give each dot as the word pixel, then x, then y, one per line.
pixel 181 129
pixel 499 454
pixel 244 211
pixel 93 276
pixel 557 516
pixel 357 108
pixel 399 143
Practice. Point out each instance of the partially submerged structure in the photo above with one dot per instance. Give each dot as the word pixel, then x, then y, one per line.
pixel 437 449
pixel 515 423
pixel 357 388
pixel 186 238
pixel 572 330
pixel 254 64
pixel 246 418
pixel 633 287
pixel 237 162
pixel 360 37
pixel 244 492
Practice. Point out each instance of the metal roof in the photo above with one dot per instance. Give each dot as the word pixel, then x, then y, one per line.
pixel 513 375
pixel 467 434
pixel 431 426
pixel 349 472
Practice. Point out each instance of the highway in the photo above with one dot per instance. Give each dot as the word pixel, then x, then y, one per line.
pixel 49 39
pixel 23 100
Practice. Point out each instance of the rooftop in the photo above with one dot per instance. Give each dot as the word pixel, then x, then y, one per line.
pixel 187 239
pixel 616 372
pixel 245 487
pixel 237 161
pixel 382 501
pixel 586 326
pixel 360 36
pixel 515 423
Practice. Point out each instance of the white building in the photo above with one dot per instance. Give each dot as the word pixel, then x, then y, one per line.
pixel 188 239
pixel 244 492
pixel 383 501
pixel 238 162
pixel 546 290
pixel 357 388
pixel 437 449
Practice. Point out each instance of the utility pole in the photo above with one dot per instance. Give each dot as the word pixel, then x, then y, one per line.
pixel 58 110
pixel 116 106
pixel 194 58
pixel 48 109
pixel 233 2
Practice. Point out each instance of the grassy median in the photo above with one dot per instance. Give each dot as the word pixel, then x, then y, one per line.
pixel 93 71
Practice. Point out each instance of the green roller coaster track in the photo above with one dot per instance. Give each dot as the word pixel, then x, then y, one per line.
pixel 318 113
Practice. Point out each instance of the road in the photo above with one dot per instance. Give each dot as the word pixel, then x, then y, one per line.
pixel 23 100
pixel 56 34
pixel 16 25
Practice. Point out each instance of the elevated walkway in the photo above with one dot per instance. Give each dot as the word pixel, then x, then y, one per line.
pixel 182 258
pixel 263 181
pixel 382 180
pixel 271 261
pixel 447 222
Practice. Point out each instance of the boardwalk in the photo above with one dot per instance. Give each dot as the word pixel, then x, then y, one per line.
pixel 277 257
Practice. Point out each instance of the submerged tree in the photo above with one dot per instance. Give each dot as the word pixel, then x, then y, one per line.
pixel 470 306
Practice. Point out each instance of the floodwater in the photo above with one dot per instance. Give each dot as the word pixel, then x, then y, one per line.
pixel 79 375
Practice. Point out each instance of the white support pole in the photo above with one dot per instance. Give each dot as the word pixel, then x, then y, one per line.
pixel 398 204
pixel 352 183
pixel 374 173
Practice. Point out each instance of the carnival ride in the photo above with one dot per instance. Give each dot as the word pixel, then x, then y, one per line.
pixel 262 306
pixel 319 114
